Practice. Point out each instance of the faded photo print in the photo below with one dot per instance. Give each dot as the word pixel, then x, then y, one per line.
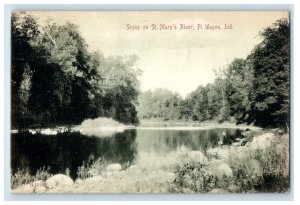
pixel 150 102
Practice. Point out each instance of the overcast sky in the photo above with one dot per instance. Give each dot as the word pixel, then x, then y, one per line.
pixel 179 60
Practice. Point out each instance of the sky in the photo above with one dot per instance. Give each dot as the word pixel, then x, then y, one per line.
pixel 179 59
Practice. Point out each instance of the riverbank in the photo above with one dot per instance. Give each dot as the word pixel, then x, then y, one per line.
pixel 261 165
pixel 107 127
pixel 192 124
pixel 101 126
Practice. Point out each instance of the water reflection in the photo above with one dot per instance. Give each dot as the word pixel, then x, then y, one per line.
pixel 70 150
pixel 164 141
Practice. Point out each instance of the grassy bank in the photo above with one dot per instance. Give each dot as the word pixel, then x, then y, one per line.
pixel 260 166
pixel 245 170
pixel 22 177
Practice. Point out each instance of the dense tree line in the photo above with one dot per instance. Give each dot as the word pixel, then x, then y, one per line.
pixel 252 90
pixel 162 104
pixel 55 79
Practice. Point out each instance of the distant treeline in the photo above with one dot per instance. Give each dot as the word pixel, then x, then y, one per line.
pixel 56 80
pixel 252 90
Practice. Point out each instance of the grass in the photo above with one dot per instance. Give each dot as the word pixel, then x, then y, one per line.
pixel 96 168
pixel 22 177
pixel 265 170
pixel 183 171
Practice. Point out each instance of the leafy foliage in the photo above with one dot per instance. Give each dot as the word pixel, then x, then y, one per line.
pixel 56 80
pixel 240 77
pixel 253 171
pixel 193 177
pixel 252 90
pixel 161 103
pixel 271 64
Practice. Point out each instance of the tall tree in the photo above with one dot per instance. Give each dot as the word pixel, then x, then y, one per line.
pixel 62 78
pixel 24 31
pixel 199 100
pixel 161 103
pixel 120 87
pixel 271 63
pixel 240 78
pixel 55 79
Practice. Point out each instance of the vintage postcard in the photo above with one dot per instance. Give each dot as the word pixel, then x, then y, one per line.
pixel 150 102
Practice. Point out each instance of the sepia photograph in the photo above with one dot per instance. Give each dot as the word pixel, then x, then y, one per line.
pixel 150 102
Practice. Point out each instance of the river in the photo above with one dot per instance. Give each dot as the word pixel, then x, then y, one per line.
pixel 70 150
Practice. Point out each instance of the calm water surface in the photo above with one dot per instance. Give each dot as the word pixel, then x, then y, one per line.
pixel 70 150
